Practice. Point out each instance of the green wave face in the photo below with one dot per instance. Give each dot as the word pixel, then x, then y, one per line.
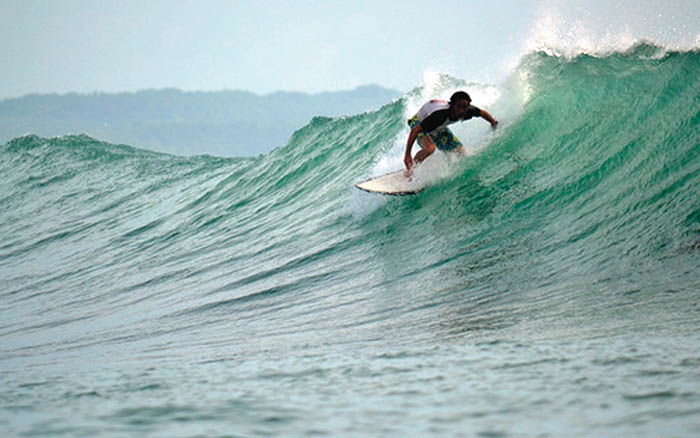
pixel 587 192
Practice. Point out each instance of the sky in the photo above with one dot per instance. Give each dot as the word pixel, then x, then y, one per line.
pixel 85 46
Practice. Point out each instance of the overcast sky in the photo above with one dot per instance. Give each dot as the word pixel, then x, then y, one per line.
pixel 302 45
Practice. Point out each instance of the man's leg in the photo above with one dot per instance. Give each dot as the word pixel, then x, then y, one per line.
pixel 428 147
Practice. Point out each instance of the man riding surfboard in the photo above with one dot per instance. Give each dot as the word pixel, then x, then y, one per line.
pixel 429 126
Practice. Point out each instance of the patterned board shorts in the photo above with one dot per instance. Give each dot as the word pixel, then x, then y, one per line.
pixel 444 139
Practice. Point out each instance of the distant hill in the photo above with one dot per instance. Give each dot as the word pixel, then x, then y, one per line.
pixel 225 123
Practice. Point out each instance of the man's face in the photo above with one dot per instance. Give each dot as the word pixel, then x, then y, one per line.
pixel 459 109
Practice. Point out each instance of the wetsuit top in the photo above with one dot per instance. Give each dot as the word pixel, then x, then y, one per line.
pixel 435 115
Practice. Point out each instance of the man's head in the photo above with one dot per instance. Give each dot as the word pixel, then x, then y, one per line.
pixel 459 104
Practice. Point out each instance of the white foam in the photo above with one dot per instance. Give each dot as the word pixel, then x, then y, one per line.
pixel 558 36
pixel 569 32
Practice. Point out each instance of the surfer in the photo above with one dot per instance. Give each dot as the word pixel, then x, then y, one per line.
pixel 429 126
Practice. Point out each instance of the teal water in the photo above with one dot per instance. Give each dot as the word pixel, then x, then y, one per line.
pixel 547 285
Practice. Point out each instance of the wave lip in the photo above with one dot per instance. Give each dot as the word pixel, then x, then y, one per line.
pixel 568 33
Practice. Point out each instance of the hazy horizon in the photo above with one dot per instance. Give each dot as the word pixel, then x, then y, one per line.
pixel 176 89
pixel 266 47
pixel 182 122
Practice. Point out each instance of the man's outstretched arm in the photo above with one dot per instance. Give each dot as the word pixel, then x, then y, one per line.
pixel 489 118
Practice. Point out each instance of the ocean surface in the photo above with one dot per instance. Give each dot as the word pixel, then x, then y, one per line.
pixel 546 285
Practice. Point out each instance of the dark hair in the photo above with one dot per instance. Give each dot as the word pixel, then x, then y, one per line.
pixel 459 95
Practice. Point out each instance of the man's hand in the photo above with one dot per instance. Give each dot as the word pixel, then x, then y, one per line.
pixel 489 118
pixel 408 161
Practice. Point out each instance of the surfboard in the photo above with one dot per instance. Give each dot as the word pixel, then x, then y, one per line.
pixel 392 184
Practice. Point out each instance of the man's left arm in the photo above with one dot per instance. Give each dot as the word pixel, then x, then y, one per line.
pixel 485 115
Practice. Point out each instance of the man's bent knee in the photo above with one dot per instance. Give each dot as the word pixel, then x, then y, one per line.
pixel 427 145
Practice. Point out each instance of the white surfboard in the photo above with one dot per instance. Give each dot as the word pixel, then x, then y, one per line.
pixel 392 184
